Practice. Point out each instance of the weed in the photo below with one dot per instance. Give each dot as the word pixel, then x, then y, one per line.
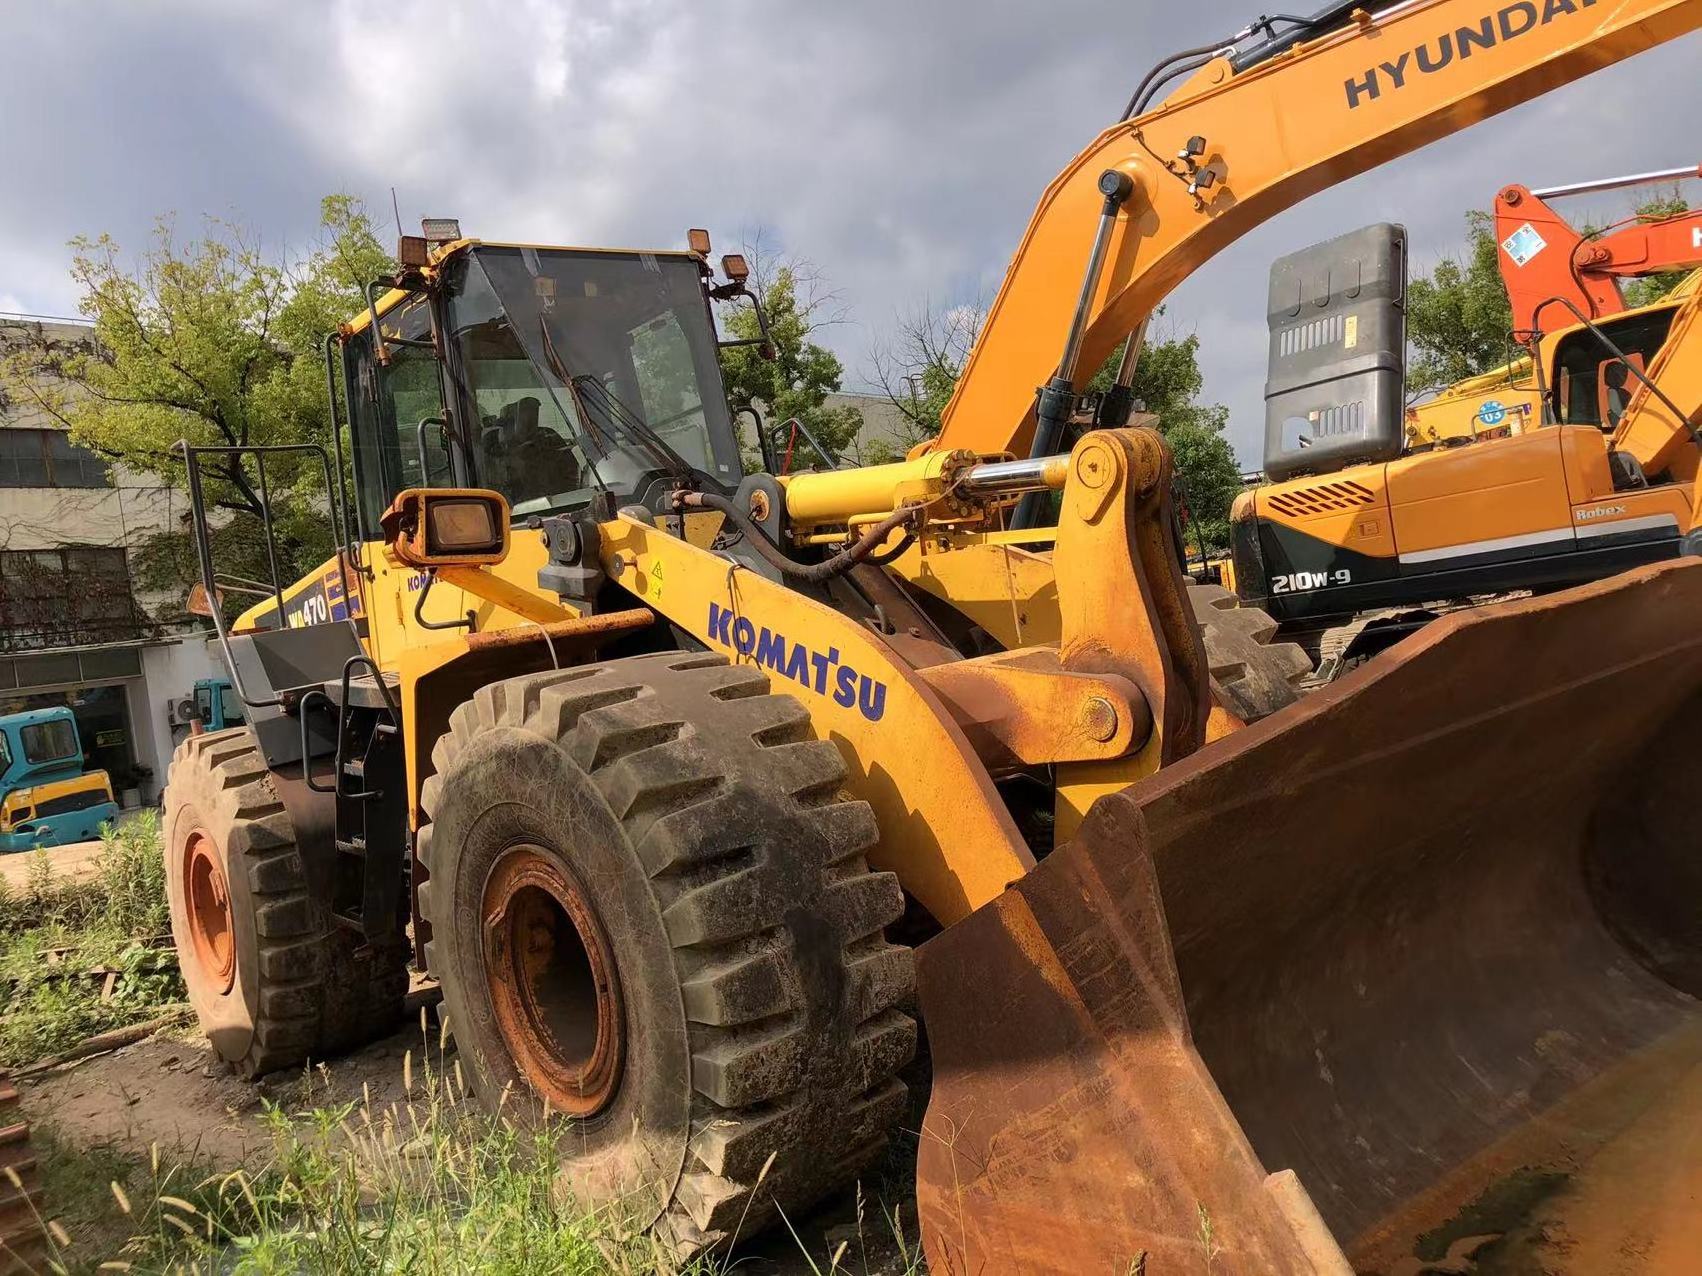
pixel 59 939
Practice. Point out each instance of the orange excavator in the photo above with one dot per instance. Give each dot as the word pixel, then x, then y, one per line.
pixel 1543 256
pixel 1547 263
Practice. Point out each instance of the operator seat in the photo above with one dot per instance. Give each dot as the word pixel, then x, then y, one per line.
pixel 526 459
pixel 1615 396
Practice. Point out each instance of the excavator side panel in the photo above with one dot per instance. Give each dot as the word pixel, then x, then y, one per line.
pixel 1321 945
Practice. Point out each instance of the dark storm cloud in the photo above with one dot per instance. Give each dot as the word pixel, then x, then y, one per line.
pixel 900 146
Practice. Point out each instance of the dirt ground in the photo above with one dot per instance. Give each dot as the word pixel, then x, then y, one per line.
pixel 172 1091
pixel 1609 1184
pixel 71 863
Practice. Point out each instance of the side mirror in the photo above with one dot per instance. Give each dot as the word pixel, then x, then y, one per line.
pixel 447 527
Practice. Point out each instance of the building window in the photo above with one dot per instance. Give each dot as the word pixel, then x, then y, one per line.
pixel 69 597
pixel 48 458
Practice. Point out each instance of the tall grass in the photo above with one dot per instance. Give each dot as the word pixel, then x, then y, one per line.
pixel 56 930
pixel 433 1184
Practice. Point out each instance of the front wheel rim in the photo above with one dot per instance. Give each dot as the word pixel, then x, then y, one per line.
pixel 552 982
pixel 212 936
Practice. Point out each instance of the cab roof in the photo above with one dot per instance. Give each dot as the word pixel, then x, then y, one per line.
pixel 441 253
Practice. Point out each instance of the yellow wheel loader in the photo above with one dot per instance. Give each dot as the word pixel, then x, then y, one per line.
pixel 686 782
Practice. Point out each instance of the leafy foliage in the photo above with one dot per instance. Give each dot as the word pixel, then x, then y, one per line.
pixel 214 341
pixel 1459 321
pixel 918 371
pixel 55 931
pixel 797 381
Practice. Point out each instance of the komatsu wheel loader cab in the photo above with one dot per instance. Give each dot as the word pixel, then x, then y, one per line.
pixel 650 757
pixel 566 374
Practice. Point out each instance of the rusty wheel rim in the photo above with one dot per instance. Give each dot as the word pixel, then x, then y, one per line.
pixel 552 982
pixel 207 898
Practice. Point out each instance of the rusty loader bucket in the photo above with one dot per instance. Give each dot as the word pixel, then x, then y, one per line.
pixel 1402 979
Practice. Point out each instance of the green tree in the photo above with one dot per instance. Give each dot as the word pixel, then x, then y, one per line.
pixel 796 381
pixel 217 342
pixel 917 371
pixel 1459 321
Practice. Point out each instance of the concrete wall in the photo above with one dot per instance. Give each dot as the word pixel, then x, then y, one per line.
pixel 169 673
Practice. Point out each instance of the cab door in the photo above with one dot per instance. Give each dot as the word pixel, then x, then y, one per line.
pixel 399 442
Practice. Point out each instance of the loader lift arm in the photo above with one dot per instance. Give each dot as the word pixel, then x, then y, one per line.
pixel 1246 136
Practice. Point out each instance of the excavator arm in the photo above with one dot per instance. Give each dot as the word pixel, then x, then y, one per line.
pixel 1543 257
pixel 1252 131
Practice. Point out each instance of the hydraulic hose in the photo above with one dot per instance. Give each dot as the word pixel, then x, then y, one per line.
pixel 862 550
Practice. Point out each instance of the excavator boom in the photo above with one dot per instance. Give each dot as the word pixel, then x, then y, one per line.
pixel 1245 138
pixel 1544 257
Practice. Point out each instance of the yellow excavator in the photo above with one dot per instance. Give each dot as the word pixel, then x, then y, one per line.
pixel 687 785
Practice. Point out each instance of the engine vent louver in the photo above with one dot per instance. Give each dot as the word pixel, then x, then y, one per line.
pixel 1321 498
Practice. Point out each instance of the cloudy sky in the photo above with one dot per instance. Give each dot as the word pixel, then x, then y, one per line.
pixel 901 146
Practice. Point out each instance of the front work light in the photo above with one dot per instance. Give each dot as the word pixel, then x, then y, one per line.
pixel 447 526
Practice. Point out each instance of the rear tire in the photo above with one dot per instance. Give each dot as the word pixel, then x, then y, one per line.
pixel 273 978
pixel 736 944
pixel 1257 676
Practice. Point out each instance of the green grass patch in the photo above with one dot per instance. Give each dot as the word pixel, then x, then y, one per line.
pixel 437 1186
pixel 57 932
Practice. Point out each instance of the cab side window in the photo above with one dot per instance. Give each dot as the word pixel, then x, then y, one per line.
pixel 1579 358
pixel 387 403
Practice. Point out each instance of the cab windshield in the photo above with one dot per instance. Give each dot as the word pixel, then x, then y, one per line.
pixel 1579 396
pixel 588 371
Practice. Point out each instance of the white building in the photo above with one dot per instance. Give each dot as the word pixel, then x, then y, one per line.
pixel 74 629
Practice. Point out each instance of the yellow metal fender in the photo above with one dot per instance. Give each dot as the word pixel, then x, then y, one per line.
pixel 944 830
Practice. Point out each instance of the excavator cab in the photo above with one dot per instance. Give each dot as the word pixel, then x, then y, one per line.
pixel 1595 367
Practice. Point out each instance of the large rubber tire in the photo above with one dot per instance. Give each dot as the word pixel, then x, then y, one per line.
pixel 302 986
pixel 757 993
pixel 1257 676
